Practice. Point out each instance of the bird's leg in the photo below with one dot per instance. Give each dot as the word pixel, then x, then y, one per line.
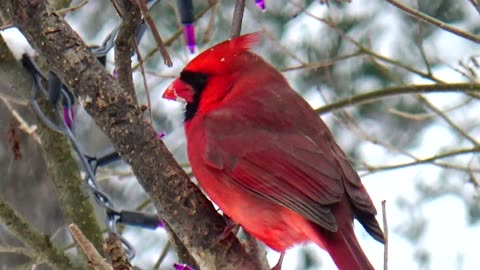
pixel 278 266
pixel 232 227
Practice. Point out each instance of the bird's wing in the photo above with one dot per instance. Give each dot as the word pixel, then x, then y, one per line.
pixel 271 157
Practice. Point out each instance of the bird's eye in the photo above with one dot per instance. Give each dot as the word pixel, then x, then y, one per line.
pixel 196 79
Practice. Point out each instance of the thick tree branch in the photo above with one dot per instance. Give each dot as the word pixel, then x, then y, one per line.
pixel 178 201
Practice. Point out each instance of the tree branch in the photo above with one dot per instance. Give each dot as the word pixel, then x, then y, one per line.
pixel 456 152
pixel 125 44
pixel 41 244
pixel 156 36
pixel 115 253
pixel 476 5
pixel 95 260
pixel 237 18
pixel 399 90
pixel 178 201
pixel 424 17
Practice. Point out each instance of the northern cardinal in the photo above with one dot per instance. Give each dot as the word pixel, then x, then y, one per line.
pixel 265 157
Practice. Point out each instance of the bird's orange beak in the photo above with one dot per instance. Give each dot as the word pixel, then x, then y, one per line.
pixel 179 90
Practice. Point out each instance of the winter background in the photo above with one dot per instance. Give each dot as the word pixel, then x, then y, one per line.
pixel 432 208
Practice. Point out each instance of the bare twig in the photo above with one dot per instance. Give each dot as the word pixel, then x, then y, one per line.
pixel 65 11
pixel 24 126
pixel 237 18
pixel 115 253
pixel 385 235
pixel 207 35
pixel 447 119
pixel 177 34
pixel 161 46
pixel 476 5
pixel 365 50
pixel 431 159
pixel 145 84
pixel 325 63
pixel 399 90
pixel 162 256
pixel 421 48
pixel 95 260
pixel 18 250
pixel 424 17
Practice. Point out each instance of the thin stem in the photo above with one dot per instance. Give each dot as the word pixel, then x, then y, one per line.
pixel 424 17
pixel 476 5
pixel 425 160
pixel 385 234
pixel 145 84
pixel 447 119
pixel 399 90
pixel 162 256
pixel 156 35
pixel 237 18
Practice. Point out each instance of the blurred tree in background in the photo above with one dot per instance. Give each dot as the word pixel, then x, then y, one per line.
pixel 399 93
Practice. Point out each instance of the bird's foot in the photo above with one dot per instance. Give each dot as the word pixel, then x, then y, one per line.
pixel 232 227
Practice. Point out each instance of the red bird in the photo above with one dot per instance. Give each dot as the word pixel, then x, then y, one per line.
pixel 265 157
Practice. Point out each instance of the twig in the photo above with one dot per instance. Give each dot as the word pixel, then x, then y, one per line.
pixel 162 256
pixel 385 235
pixel 476 5
pixel 24 126
pixel 324 63
pixel 38 242
pixel 208 31
pixel 145 84
pixel 161 46
pixel 64 11
pixel 366 50
pixel 447 119
pixel 94 258
pixel 421 48
pixel 424 17
pixel 115 253
pixel 177 34
pixel 425 160
pixel 399 90
pixel 18 250
pixel 6 25
pixel 237 18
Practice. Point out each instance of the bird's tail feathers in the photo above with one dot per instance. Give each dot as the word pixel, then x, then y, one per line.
pixel 345 250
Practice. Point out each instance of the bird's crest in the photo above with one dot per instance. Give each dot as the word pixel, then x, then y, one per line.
pixel 224 56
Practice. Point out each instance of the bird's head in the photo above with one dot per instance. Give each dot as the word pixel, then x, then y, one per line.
pixel 215 64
